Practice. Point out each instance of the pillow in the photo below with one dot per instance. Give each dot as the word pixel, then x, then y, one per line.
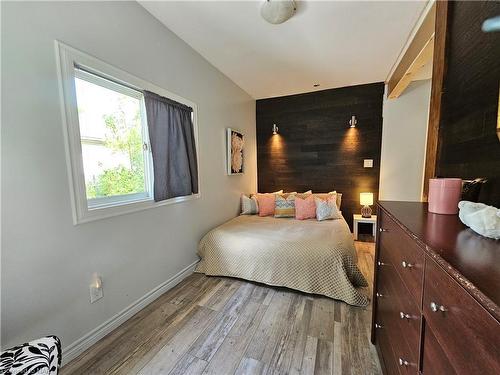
pixel 284 205
pixel 325 196
pixel 327 210
pixel 304 195
pixel 305 208
pixel 249 206
pixel 266 204
pixel 339 199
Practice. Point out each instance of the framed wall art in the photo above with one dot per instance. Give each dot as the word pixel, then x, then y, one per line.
pixel 235 146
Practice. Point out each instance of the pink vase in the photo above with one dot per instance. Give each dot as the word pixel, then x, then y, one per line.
pixel 444 195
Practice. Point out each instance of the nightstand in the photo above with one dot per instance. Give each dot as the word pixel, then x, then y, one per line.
pixel 360 219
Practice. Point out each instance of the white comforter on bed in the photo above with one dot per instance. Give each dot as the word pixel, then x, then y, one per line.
pixel 307 255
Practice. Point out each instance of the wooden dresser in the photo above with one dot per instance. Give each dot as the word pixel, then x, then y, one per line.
pixel 436 294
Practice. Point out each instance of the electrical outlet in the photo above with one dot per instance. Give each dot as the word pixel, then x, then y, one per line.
pixel 96 292
pixel 368 163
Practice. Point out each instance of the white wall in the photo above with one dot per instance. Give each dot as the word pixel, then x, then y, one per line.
pixel 47 263
pixel 404 136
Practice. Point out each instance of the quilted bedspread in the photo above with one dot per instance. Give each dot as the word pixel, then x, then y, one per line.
pixel 306 255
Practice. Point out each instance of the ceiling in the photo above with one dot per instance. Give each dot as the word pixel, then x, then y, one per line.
pixel 333 43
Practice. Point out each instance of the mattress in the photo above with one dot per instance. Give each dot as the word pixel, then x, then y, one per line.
pixel 312 256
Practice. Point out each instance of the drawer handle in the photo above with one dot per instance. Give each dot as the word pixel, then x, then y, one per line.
pixel 379 295
pixel 402 315
pixel 383 230
pixel 380 263
pixel 377 325
pixel 435 307
pixel 406 265
pixel 402 362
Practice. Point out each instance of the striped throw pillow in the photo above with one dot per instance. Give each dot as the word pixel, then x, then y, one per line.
pixel 249 206
pixel 284 205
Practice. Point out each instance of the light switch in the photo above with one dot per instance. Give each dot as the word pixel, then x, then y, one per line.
pixel 368 163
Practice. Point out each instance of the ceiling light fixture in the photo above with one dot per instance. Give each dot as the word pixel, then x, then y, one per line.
pixel 277 11
pixel 316 85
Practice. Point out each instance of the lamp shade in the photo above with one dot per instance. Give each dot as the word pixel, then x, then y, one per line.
pixel 366 199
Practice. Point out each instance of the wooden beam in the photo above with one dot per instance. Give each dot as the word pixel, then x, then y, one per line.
pixel 498 116
pixel 438 74
pixel 418 53
pixel 420 61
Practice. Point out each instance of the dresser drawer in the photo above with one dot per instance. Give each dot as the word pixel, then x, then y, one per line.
pixel 434 360
pixel 399 249
pixel 384 343
pixel 466 332
pixel 399 317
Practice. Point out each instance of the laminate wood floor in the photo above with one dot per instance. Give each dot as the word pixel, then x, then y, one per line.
pixel 217 325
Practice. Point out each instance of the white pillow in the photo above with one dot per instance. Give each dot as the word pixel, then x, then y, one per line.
pixel 338 199
pixel 327 210
pixel 249 206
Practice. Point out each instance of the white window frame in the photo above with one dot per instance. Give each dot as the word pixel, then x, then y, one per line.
pixel 116 79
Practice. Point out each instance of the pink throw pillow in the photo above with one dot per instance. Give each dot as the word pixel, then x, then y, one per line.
pixel 305 208
pixel 266 204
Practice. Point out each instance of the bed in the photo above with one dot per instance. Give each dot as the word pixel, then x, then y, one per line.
pixel 308 255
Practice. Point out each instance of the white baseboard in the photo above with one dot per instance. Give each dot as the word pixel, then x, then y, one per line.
pixel 79 346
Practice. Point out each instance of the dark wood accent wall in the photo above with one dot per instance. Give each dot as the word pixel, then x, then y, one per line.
pixel 468 144
pixel 316 149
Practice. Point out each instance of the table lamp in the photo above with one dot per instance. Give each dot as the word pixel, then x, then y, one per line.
pixel 366 200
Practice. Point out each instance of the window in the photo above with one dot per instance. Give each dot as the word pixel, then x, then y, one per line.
pixel 114 141
pixel 107 138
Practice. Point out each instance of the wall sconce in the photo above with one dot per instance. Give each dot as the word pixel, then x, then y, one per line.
pixel 275 129
pixel 353 121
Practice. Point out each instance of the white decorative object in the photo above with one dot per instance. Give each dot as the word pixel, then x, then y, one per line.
pixel 481 218
pixel 277 11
